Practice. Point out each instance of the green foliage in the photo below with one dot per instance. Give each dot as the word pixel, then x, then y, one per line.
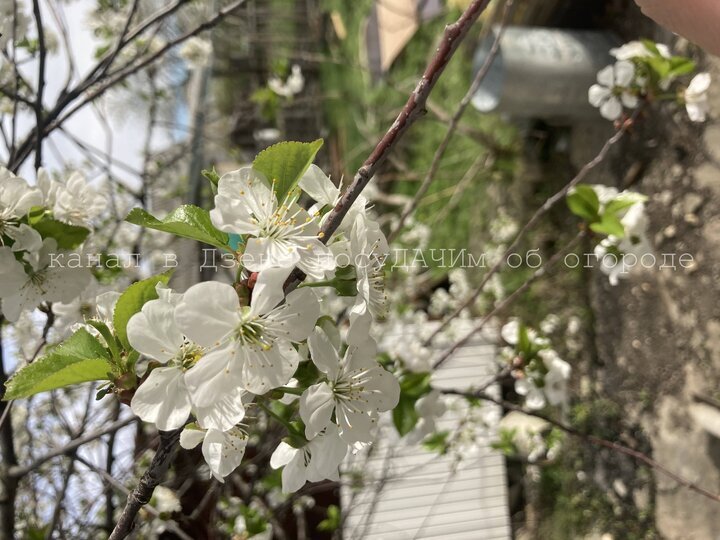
pixel 332 521
pixel 604 219
pixel 67 236
pixel 187 221
pixel 437 442
pixel 255 523
pixel 413 386
pixel 80 358
pixel 268 101
pixel 285 163
pixel 506 442
pixel 584 203
pixel 132 300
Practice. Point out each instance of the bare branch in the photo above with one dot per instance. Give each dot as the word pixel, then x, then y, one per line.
pixel 20 471
pixel 155 473
pixel 453 124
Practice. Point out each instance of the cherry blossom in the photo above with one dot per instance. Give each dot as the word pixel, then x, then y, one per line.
pixel 318 460
pixel 223 450
pixel 696 99
pixel 249 346
pixel 356 389
pixel 611 93
pixel 282 234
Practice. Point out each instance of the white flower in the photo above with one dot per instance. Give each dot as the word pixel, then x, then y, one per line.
pixel 611 93
pixel 163 398
pixel 696 99
pixel 223 450
pixel 293 86
pixel 251 346
pixel 48 280
pixel 429 408
pixel 197 52
pixel 555 387
pixel 637 49
pixel 78 203
pixel 357 388
pixel 554 382
pixel 317 460
pixel 25 238
pixel 284 235
pixel 48 187
pixel 16 197
pixel 166 501
pixel 369 247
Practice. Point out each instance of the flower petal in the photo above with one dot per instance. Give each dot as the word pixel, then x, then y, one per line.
pixel 208 313
pixel 153 331
pixel 316 406
pixel 163 399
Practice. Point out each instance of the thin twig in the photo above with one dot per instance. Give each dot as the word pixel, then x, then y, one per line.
pixel 597 441
pixel 453 124
pixel 539 213
pixel 141 495
pixel 21 470
pixel 509 300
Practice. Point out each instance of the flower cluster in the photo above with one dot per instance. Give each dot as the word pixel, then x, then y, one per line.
pixel 540 374
pixel 40 226
pixel 647 71
pixel 219 349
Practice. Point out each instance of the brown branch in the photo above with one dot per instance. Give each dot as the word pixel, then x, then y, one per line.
pixel 19 471
pixel 597 441
pixel 453 124
pixel 411 112
pixel 42 51
pixel 539 213
pixel 509 300
pixel 155 473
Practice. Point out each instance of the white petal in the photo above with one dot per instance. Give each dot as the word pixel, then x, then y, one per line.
pixel 611 109
pixel 264 253
pixel 294 474
pixel 316 406
pixel 225 412
pixel 25 238
pixel 699 85
pixel 327 451
pixel 355 426
pixel 606 77
pixel 215 376
pixel 190 438
pixel 263 370
pixel 163 399
pixel 12 272
pixel 243 198
pixel 208 313
pixel 223 452
pixel 283 454
pixel 316 184
pixel 153 331
pixel 385 388
pixel 624 73
pixel 630 101
pixel 296 319
pixel 268 291
pixel 323 354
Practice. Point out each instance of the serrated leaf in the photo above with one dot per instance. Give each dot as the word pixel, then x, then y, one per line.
pixel 80 358
pixel 67 236
pixel 584 203
pixel 609 225
pixel 132 301
pixel 285 163
pixel 187 221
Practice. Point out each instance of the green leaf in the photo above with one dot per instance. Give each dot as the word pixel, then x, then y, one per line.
pixel 413 386
pixel 132 301
pixel 609 225
pixel 67 236
pixel 584 203
pixel 332 521
pixel 80 358
pixel 285 163
pixel 188 221
pixel 405 417
pixel 213 177
pixel 437 442
pixel 622 202
pixel 651 46
pixel 679 66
